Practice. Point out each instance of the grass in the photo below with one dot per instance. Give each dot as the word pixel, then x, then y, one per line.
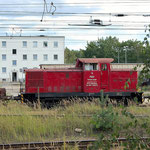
pixel 59 123
pixel 145 88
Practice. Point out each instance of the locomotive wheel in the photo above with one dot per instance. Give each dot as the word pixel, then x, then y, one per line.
pixel 125 101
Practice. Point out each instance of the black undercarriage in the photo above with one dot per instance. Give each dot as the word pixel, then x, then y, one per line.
pixel 52 97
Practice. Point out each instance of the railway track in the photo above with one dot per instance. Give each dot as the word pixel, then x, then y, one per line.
pixel 53 145
pixel 59 145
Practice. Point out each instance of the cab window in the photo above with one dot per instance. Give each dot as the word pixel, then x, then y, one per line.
pixel 91 66
pixel 103 67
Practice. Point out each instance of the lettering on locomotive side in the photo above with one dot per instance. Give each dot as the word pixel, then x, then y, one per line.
pixel 92 79
pixel 91 82
pixel 92 76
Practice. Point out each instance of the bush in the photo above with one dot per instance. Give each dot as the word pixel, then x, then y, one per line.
pixel 105 120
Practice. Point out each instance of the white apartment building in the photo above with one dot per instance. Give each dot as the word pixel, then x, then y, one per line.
pixel 23 52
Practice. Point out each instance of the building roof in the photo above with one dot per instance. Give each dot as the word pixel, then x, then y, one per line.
pixel 39 36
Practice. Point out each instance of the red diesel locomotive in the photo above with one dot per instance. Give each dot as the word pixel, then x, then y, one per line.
pixel 89 77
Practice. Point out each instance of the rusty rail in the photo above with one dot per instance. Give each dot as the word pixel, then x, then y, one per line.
pixel 82 144
pixel 58 145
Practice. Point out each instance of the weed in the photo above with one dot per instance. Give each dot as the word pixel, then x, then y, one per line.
pixel 27 126
pixel 108 120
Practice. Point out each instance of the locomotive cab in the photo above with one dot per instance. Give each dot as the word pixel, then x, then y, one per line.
pixel 91 77
pixel 95 74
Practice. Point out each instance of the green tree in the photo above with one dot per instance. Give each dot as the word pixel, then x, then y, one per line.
pixel 103 48
pixel 145 73
pixel 72 55
pixel 131 51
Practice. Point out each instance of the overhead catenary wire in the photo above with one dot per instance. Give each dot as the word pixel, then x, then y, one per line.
pixel 74 26
pixel 68 20
pixel 73 6
pixel 77 28
pixel 117 14
pixel 51 26
pixel 80 3
pixel 46 10
pixel 79 34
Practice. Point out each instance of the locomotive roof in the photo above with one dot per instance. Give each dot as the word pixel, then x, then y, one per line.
pixel 94 60
pixel 53 70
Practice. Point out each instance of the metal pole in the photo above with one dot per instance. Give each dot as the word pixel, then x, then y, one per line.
pixel 125 55
pixel 118 56
pixel 125 51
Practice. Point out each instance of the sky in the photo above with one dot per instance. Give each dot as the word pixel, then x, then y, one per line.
pixel 128 19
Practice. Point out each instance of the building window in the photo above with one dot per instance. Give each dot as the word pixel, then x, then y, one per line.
pixel 3 57
pixel 4 80
pixel 24 43
pixel 55 44
pixel 3 69
pixel 55 57
pixel 34 43
pixel 24 57
pixel 20 69
pixel 14 62
pixel 3 43
pixel 45 57
pixel 34 56
pixel 14 51
pixel 45 44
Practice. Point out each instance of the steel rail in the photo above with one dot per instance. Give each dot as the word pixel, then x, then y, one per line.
pixel 52 145
pixel 82 144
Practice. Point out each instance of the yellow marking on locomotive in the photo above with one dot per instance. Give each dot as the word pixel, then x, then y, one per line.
pixel 143 97
pixel 22 98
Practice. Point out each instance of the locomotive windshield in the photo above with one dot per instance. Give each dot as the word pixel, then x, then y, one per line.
pixel 91 66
